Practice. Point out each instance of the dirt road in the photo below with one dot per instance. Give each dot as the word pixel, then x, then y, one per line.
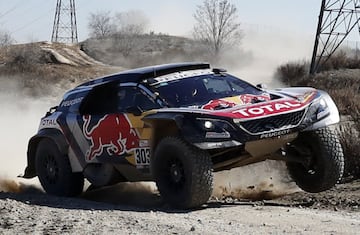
pixel 125 209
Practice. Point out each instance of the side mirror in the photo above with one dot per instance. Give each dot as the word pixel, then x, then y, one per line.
pixel 134 110
pixel 262 86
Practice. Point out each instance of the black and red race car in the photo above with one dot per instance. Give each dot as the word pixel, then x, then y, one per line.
pixel 176 124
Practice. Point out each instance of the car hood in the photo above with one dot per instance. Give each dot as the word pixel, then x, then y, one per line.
pixel 250 106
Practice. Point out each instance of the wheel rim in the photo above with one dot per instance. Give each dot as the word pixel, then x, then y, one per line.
pixel 311 166
pixel 51 169
pixel 175 174
pixel 307 151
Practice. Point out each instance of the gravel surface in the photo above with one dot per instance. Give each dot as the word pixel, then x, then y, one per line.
pixel 136 209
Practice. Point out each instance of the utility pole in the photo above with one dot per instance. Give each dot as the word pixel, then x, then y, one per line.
pixel 337 19
pixel 65 29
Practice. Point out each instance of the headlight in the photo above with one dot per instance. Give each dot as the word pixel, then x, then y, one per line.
pixel 208 125
pixel 316 111
pixel 215 128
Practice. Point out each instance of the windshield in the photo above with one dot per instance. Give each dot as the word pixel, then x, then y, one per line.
pixel 199 90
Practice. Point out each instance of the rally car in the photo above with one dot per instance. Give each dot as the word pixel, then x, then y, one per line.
pixel 176 124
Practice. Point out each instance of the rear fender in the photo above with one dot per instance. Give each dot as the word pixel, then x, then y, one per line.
pixel 55 135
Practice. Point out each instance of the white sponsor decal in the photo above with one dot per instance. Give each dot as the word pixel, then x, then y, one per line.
pixel 144 143
pixel 267 109
pixel 48 123
pixel 72 102
pixel 274 134
pixel 216 135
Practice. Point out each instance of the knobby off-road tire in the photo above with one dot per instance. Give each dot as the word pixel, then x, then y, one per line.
pixel 326 160
pixel 54 171
pixel 183 173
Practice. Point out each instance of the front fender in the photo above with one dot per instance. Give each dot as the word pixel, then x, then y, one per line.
pixel 331 119
pixel 162 125
pixel 55 135
pixel 173 124
pixel 188 127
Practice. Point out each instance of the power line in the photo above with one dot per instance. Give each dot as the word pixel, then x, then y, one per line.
pixel 28 10
pixel 29 23
pixel 11 9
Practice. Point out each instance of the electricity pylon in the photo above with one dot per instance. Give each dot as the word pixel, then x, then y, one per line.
pixel 336 20
pixel 65 29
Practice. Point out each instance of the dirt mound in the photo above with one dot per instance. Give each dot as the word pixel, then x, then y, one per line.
pixel 46 53
pixel 43 68
pixel 68 54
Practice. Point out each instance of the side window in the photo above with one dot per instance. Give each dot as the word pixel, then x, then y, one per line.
pixel 101 100
pixel 134 97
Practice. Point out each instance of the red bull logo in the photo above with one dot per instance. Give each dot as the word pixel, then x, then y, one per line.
pixel 230 102
pixel 250 99
pixel 113 133
pixel 218 104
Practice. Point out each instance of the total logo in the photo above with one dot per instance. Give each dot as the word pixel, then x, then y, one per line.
pixel 272 108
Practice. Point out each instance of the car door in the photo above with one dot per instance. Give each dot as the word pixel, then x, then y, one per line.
pixel 114 134
pixel 133 102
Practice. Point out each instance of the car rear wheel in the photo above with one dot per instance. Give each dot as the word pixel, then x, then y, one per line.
pixel 323 163
pixel 54 171
pixel 183 173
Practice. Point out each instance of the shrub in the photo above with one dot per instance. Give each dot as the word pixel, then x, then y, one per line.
pixel 292 72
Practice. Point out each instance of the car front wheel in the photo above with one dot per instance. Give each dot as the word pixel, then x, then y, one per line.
pixel 323 160
pixel 183 173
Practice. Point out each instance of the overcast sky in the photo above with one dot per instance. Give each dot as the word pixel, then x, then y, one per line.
pixel 32 20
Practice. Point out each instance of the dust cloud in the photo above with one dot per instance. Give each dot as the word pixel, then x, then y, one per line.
pixel 19 120
pixel 263 49
pixel 264 180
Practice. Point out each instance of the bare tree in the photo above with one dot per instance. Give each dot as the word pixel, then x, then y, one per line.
pixel 6 38
pixel 131 22
pixel 100 24
pixel 130 25
pixel 217 24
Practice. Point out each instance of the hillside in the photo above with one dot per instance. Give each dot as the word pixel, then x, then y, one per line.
pixel 45 68
pixel 143 50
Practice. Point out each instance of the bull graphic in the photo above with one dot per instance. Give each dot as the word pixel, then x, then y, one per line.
pixel 113 133
pixel 218 104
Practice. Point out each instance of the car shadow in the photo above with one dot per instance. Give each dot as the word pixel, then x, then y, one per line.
pixel 123 196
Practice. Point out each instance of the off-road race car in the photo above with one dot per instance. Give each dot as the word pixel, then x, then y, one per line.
pixel 176 124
